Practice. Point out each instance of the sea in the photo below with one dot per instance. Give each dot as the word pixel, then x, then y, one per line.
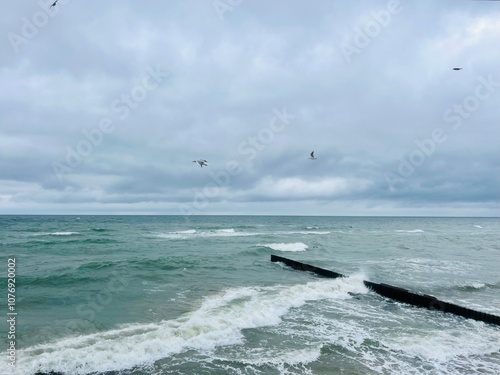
pixel 136 295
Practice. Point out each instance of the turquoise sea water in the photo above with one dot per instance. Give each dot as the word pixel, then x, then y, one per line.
pixel 199 295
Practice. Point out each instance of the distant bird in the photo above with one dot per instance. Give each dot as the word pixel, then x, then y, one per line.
pixel 201 162
pixel 457 68
pixel 54 3
pixel 312 156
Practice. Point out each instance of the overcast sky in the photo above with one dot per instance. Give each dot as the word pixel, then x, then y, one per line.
pixel 105 105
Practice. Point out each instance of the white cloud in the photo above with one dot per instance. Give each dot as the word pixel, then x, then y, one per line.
pixel 290 188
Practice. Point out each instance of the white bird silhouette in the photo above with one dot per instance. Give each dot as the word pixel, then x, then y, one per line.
pixel 201 162
pixel 312 156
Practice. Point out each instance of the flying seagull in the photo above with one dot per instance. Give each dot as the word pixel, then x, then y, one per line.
pixel 201 162
pixel 54 3
pixel 457 68
pixel 312 156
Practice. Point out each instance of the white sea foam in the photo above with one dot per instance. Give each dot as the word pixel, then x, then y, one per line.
pixel 409 231
pixel 296 246
pixel 193 233
pixel 474 284
pixel 445 347
pixel 56 234
pixel 304 232
pixel 219 321
pixel 478 226
pixel 275 357
pixel 188 231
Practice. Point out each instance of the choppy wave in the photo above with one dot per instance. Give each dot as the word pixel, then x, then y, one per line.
pixel 303 232
pixel 99 229
pixel 295 246
pixel 474 286
pixel 215 334
pixel 193 233
pixel 219 321
pixel 274 357
pixel 409 231
pixel 471 287
pixel 402 247
pixel 426 265
pixel 448 352
pixel 99 241
pixel 66 278
pixel 444 346
pixel 57 234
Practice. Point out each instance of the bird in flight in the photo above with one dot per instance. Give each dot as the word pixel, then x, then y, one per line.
pixel 457 68
pixel 54 3
pixel 312 156
pixel 201 162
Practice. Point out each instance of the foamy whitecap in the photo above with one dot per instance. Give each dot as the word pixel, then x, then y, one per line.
pixel 442 346
pixel 277 357
pixel 304 232
pixel 56 234
pixel 188 231
pixel 176 235
pixel 409 231
pixel 192 233
pixel 230 230
pixel 296 246
pixel 478 226
pixel 478 285
pixel 473 285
